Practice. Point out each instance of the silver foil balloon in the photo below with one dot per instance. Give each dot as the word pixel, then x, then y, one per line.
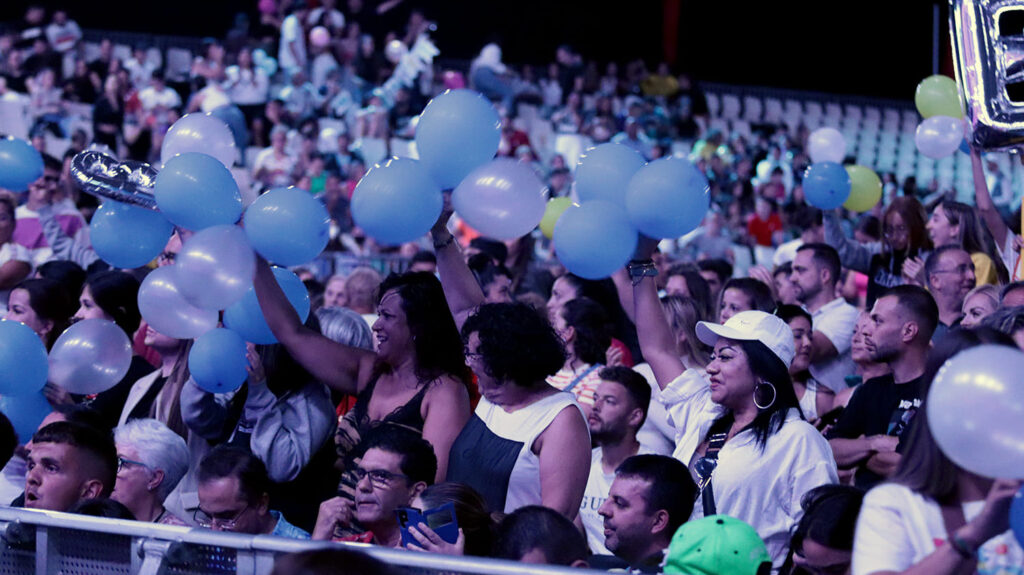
pixel 101 175
pixel 988 46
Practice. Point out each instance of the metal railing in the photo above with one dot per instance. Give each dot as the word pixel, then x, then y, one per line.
pixel 48 543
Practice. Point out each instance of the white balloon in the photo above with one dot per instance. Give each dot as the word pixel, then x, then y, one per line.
pixel 215 267
pixel 939 136
pixel 91 356
pixel 200 133
pixel 826 145
pixel 976 411
pixel 164 307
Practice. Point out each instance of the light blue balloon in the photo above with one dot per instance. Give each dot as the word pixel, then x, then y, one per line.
pixel 604 173
pixel 826 185
pixel 20 164
pixel 458 131
pixel 594 239
pixel 196 191
pixel 396 202
pixel 23 362
pixel 235 119
pixel 126 236
pixel 668 198
pixel 25 413
pixel 246 317
pixel 217 361
pixel 287 226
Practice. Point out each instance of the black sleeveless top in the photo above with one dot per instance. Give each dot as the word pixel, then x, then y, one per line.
pixel 355 425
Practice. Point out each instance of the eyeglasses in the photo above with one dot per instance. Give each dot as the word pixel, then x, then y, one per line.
pixel 960 270
pixel 207 521
pixel 379 478
pixel 121 462
pixel 895 230
pixel 167 256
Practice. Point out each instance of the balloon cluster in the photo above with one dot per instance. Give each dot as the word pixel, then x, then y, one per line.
pixel 942 131
pixel 828 184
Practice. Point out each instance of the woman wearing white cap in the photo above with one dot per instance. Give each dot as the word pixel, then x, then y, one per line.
pixel 739 428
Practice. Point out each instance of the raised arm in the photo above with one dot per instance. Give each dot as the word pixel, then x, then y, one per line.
pixel 657 343
pixel 853 254
pixel 461 290
pixel 983 200
pixel 341 367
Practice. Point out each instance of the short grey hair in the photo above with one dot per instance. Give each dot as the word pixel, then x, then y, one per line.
pixel 345 326
pixel 159 448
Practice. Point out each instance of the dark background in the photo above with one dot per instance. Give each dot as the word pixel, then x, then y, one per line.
pixel 870 48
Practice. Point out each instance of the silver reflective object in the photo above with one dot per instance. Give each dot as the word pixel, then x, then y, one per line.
pixel 101 175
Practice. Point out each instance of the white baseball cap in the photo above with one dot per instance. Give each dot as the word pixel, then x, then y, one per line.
pixel 752 326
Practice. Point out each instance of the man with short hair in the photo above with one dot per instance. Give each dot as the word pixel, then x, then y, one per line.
pixel 1012 295
pixel 652 495
pixel 899 334
pixel 69 462
pixel 540 536
pixel 234 495
pixel 716 272
pixel 620 408
pixel 815 274
pixel 397 466
pixel 949 272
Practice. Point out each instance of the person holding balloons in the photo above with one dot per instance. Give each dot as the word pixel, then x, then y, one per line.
pixel 935 516
pixel 416 379
pixel 904 238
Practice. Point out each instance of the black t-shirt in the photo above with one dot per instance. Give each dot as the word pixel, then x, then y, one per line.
pixel 878 407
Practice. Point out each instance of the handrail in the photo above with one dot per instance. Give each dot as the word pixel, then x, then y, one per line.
pixel 255 552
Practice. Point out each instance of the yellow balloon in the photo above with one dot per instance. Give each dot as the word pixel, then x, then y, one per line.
pixel 938 96
pixel 865 189
pixel 554 210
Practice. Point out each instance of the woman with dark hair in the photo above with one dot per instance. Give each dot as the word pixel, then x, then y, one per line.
pixel 823 539
pixel 527 443
pixel 933 516
pixel 417 378
pixel 815 400
pixel 569 287
pixel 956 223
pixel 741 432
pixel 476 523
pixel 15 259
pixel 113 296
pixel 744 294
pixel 43 305
pixel 903 237
pixel 582 326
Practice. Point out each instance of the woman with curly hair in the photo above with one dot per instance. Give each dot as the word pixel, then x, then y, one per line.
pixel 527 442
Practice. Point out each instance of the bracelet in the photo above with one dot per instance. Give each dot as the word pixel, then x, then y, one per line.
pixel 638 270
pixel 444 243
pixel 962 547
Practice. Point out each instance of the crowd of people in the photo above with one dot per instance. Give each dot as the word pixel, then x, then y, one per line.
pixel 773 414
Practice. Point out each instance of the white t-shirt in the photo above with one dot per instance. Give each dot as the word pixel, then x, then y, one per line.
pixel 761 487
pixel 897 528
pixel 599 484
pixel 278 169
pixel 292 35
pixel 63 38
pixel 150 98
pixel 246 87
pixel 836 320
pixel 657 435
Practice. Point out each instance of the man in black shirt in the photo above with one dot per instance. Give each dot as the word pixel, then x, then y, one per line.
pixel 866 436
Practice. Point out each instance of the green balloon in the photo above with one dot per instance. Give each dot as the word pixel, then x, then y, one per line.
pixel 938 96
pixel 865 189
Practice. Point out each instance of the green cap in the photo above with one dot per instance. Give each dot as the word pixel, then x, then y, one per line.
pixel 717 545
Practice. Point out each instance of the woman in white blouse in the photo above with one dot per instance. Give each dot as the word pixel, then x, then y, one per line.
pixel 742 435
